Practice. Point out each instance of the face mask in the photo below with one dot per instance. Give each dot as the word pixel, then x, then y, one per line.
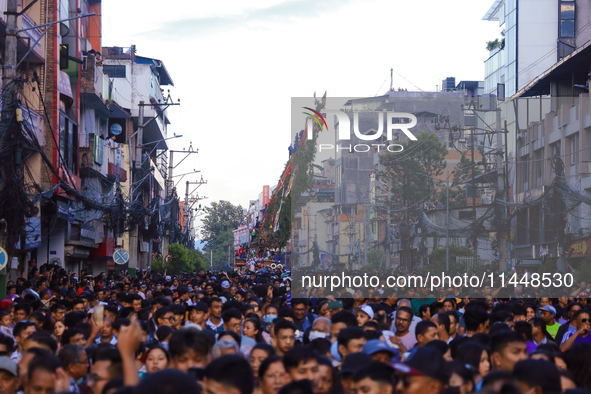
pixel 317 334
pixel 269 318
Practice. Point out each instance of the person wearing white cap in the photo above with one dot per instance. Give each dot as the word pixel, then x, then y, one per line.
pixel 8 375
pixel 225 285
pixel 364 314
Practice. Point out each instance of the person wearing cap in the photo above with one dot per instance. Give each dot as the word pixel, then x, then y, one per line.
pixel 8 376
pixel 583 325
pixel 379 350
pixel 364 314
pixel 352 364
pixel 549 315
pixel 423 372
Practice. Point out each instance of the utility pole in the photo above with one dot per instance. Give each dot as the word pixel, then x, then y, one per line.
pixel 501 194
pixel 473 193
pixel 365 233
pixel 447 225
pixel 139 139
pixel 9 68
pixel 388 224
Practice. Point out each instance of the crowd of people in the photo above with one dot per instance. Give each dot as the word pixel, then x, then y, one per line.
pixel 244 332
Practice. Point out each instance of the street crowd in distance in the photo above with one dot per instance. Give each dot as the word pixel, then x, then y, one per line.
pixel 246 332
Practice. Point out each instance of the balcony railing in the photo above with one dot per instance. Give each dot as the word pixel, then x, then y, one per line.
pixel 34 34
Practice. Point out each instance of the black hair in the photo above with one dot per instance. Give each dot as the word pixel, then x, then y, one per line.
pixel 272 359
pixel 120 322
pixel 68 334
pixel 231 313
pixel 297 355
pixel 423 309
pixel 423 326
pixel 443 319
pixel 578 361
pixel 159 348
pixel 459 368
pixel 257 326
pixel 264 347
pixel 405 309
pixel 346 317
pixel 378 372
pixel 160 313
pixel 474 317
pixel 349 333
pixel 234 336
pixel 44 338
pixel 231 371
pixel 524 329
pixel 470 352
pixel 320 345
pixel 69 354
pixel 436 307
pixel 72 319
pixel 286 311
pixel 501 339
pixel 541 323
pixel 297 387
pixel 8 342
pixel 22 326
pixel 439 345
pixel 189 339
pixel 23 307
pixel 48 362
pixel 282 324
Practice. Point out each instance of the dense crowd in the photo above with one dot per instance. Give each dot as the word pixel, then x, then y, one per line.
pixel 245 332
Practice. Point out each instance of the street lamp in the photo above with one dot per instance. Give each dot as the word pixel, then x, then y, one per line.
pixel 446 213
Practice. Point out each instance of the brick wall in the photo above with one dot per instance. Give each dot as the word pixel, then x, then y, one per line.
pixel 51 61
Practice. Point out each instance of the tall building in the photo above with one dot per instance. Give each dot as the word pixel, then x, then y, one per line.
pixel 540 77
pixel 82 102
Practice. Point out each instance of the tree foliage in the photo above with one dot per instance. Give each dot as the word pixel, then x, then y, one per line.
pixel 424 156
pixel 221 218
pixel 437 258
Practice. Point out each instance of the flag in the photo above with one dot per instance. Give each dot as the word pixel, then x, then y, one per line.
pixel 315 99
pixel 324 100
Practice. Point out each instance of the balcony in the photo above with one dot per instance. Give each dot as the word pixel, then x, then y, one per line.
pixel 112 173
pixel 33 35
pixel 94 86
pixel 26 38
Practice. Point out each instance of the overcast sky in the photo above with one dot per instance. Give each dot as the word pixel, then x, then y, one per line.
pixel 236 65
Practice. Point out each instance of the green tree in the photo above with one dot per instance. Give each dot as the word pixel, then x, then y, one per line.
pixel 424 156
pixel 158 265
pixel 221 218
pixel 197 260
pixel 438 256
pixel 374 259
pixel 181 261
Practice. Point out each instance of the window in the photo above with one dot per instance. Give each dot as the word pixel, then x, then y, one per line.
pixel 567 19
pixel 525 170
pixel 115 71
pixel 69 143
pixel 539 165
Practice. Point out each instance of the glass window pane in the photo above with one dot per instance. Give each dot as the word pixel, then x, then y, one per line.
pixel 567 28
pixel 567 10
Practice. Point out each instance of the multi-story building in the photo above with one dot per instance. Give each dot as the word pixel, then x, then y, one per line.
pixel 83 104
pixel 540 77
